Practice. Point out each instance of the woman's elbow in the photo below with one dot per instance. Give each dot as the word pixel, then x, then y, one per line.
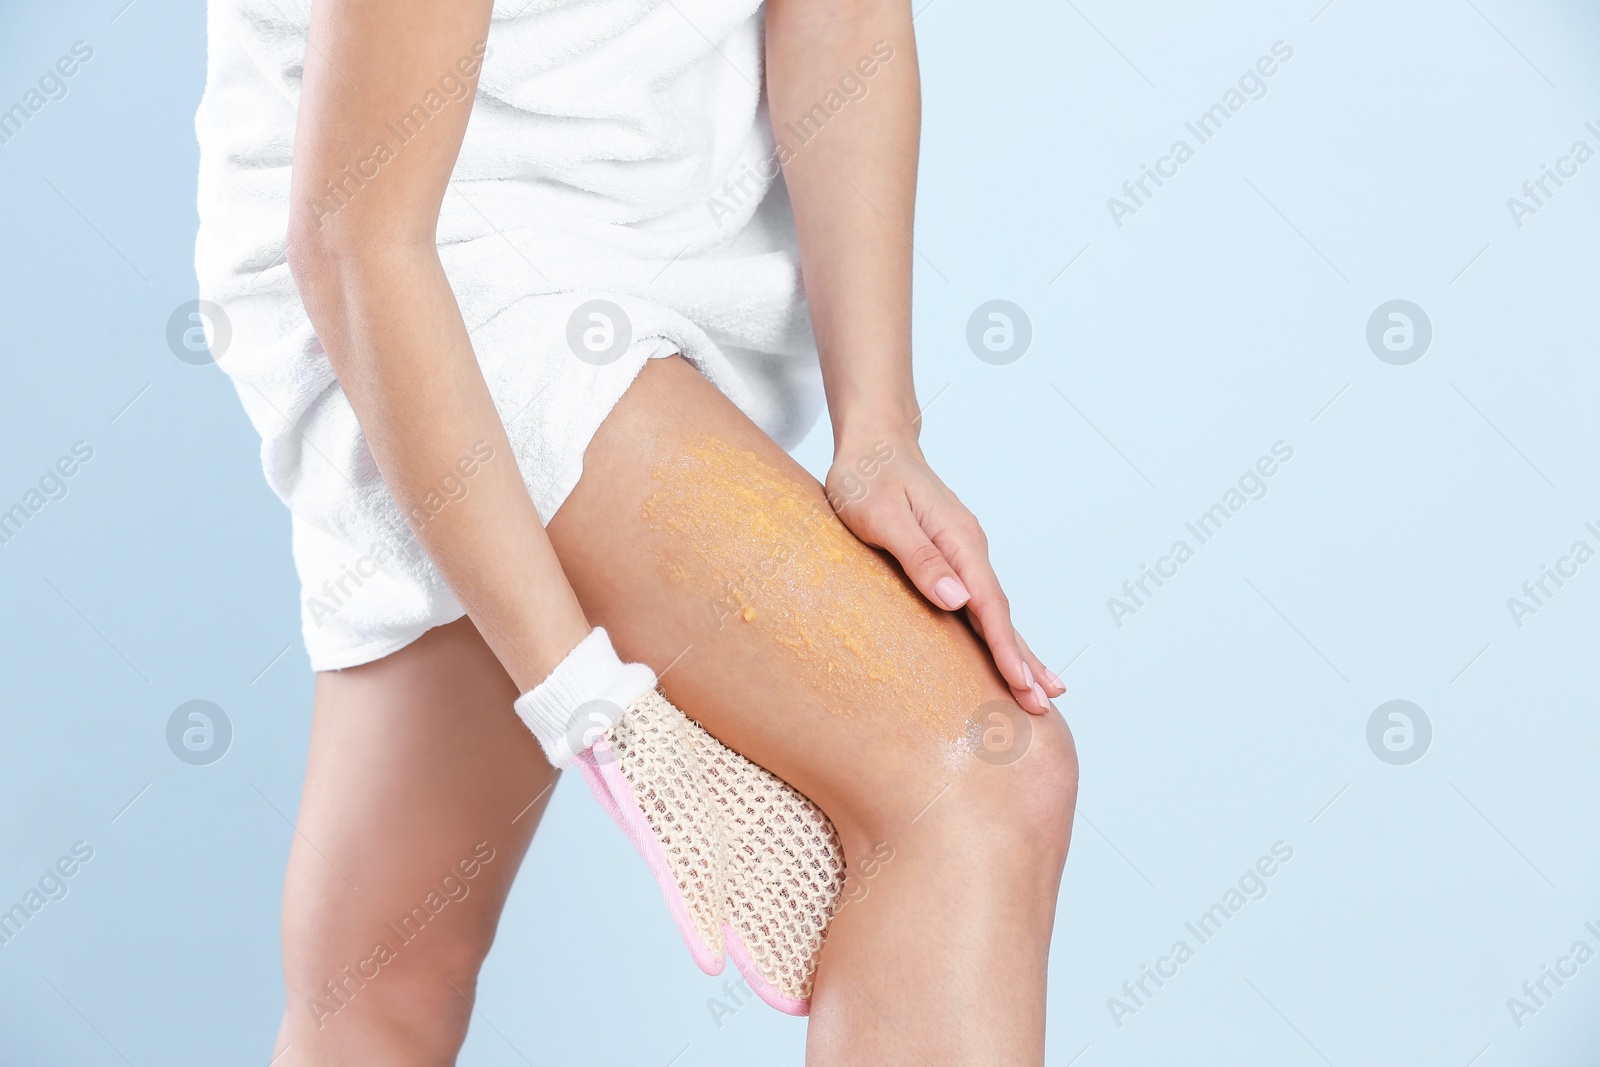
pixel 336 264
pixel 326 264
pixel 311 250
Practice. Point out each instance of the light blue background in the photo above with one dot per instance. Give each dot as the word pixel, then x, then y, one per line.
pixel 1228 714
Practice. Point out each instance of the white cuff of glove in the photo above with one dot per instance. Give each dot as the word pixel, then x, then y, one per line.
pixel 586 694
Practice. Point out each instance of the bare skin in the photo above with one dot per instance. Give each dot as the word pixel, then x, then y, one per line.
pixel 414 761
pixel 853 197
pixel 943 959
pixel 374 288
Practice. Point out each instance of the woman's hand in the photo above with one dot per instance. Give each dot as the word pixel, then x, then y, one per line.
pixel 853 194
pixel 885 492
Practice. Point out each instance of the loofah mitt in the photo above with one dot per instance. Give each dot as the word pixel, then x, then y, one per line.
pixel 749 867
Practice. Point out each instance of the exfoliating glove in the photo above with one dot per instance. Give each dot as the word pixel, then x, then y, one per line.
pixel 749 868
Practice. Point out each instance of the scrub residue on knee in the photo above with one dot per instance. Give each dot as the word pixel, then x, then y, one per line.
pixel 773 556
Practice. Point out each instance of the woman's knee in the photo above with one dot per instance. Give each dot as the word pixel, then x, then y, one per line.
pixel 1046 793
pixel 1010 770
pixel 1021 774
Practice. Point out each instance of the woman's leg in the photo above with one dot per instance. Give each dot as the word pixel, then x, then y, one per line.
pixel 709 554
pixel 419 768
pixel 422 792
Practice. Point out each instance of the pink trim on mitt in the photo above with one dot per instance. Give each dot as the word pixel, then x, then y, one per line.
pixel 607 784
pixel 605 781
pixel 752 976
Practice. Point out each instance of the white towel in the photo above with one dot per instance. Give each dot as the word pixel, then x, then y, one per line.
pixel 596 165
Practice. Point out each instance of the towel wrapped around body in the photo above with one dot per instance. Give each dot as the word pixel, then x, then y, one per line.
pixel 618 158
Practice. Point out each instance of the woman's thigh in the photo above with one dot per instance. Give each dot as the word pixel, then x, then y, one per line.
pixel 422 792
pixel 708 553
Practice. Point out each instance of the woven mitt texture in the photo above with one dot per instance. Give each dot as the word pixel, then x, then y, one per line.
pixel 750 854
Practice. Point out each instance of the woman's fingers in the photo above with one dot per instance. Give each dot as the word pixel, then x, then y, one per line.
pixel 961 544
pixel 1053 685
pixel 973 587
pixel 924 564
pixel 990 613
pixel 943 551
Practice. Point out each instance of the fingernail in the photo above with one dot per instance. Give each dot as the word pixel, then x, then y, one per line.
pixel 1053 678
pixel 1044 701
pixel 951 592
pixel 1027 675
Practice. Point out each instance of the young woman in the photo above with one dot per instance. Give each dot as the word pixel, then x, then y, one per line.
pixel 516 380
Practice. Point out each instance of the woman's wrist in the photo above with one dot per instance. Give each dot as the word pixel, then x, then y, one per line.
pixel 871 394
pixel 864 434
pixel 585 694
pixel 881 414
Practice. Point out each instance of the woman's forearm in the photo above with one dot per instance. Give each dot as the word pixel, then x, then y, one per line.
pixel 390 323
pixel 852 176
pixel 845 99
pixel 374 288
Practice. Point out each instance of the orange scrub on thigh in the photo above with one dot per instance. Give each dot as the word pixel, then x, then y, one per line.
pixel 773 556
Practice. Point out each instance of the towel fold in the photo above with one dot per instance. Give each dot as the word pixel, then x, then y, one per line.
pixel 595 167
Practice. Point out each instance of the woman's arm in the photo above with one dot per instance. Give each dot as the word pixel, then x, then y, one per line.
pixel 853 184
pixel 365 259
